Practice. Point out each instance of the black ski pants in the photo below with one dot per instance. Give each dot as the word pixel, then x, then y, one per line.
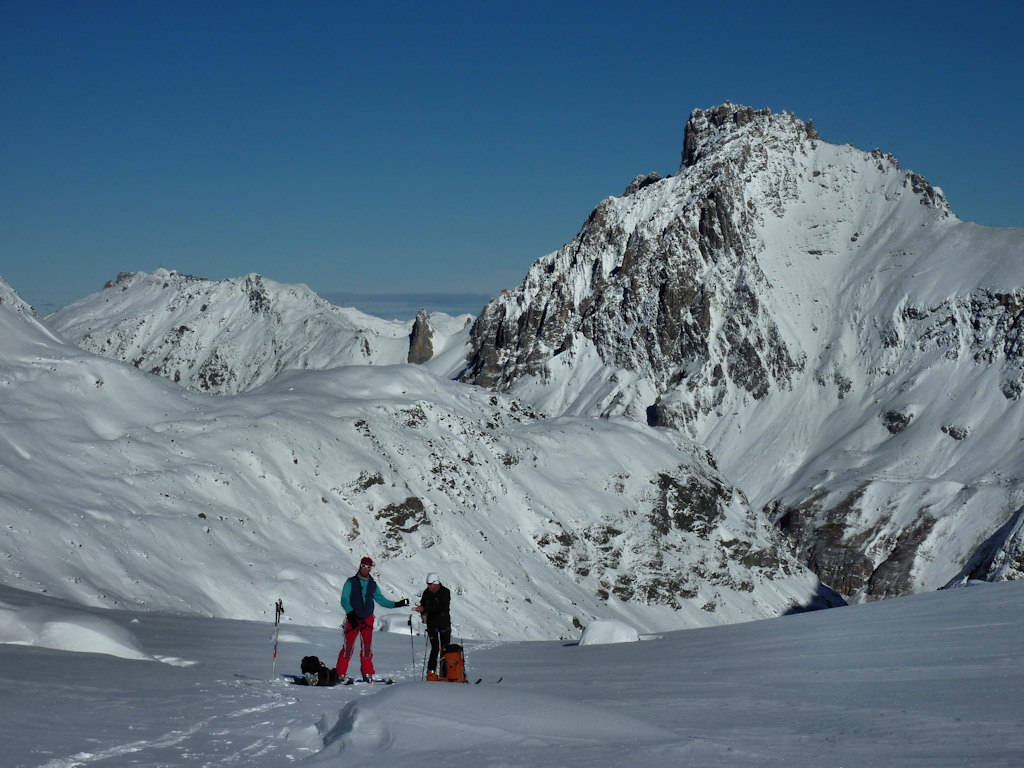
pixel 439 638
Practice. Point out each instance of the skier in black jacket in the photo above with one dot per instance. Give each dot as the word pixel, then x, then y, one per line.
pixel 434 609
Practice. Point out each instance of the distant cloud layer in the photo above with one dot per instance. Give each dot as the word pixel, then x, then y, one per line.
pixel 404 306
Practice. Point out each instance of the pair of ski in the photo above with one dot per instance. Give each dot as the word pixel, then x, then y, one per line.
pixel 312 680
pixel 389 681
pixel 365 681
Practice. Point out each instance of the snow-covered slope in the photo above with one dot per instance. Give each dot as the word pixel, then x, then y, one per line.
pixel 849 350
pixel 118 487
pixel 932 680
pixel 233 335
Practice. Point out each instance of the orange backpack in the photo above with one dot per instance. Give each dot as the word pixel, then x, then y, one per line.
pixel 453 665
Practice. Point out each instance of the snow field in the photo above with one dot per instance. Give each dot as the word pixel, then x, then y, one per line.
pixel 930 680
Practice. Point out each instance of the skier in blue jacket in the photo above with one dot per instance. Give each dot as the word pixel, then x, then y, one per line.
pixel 357 598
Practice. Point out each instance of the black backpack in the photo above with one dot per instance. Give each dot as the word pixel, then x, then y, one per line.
pixel 315 672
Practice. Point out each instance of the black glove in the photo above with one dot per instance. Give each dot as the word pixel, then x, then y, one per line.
pixel 353 620
pixel 402 603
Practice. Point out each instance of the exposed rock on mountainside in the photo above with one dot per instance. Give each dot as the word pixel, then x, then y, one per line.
pixel 815 315
pixel 1001 556
pixel 421 339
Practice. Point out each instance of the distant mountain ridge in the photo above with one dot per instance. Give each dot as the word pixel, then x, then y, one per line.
pixel 231 336
pixel 405 306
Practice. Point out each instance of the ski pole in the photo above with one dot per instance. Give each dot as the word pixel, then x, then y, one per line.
pixel 423 670
pixel 412 644
pixel 465 664
pixel 278 610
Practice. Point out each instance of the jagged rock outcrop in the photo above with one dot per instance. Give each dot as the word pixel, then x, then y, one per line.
pixel 421 339
pixel 816 316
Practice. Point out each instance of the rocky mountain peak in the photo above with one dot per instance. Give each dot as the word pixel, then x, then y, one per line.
pixel 650 273
pixel 783 300
pixel 707 128
pixel 672 279
pixel 708 131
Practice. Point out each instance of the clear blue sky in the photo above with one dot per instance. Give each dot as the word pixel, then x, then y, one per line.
pixel 413 146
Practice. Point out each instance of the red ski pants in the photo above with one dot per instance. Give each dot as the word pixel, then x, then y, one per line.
pixel 364 630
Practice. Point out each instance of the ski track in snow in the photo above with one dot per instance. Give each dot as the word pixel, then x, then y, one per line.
pixel 179 738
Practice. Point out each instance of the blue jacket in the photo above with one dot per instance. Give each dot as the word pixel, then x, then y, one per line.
pixel 360 594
